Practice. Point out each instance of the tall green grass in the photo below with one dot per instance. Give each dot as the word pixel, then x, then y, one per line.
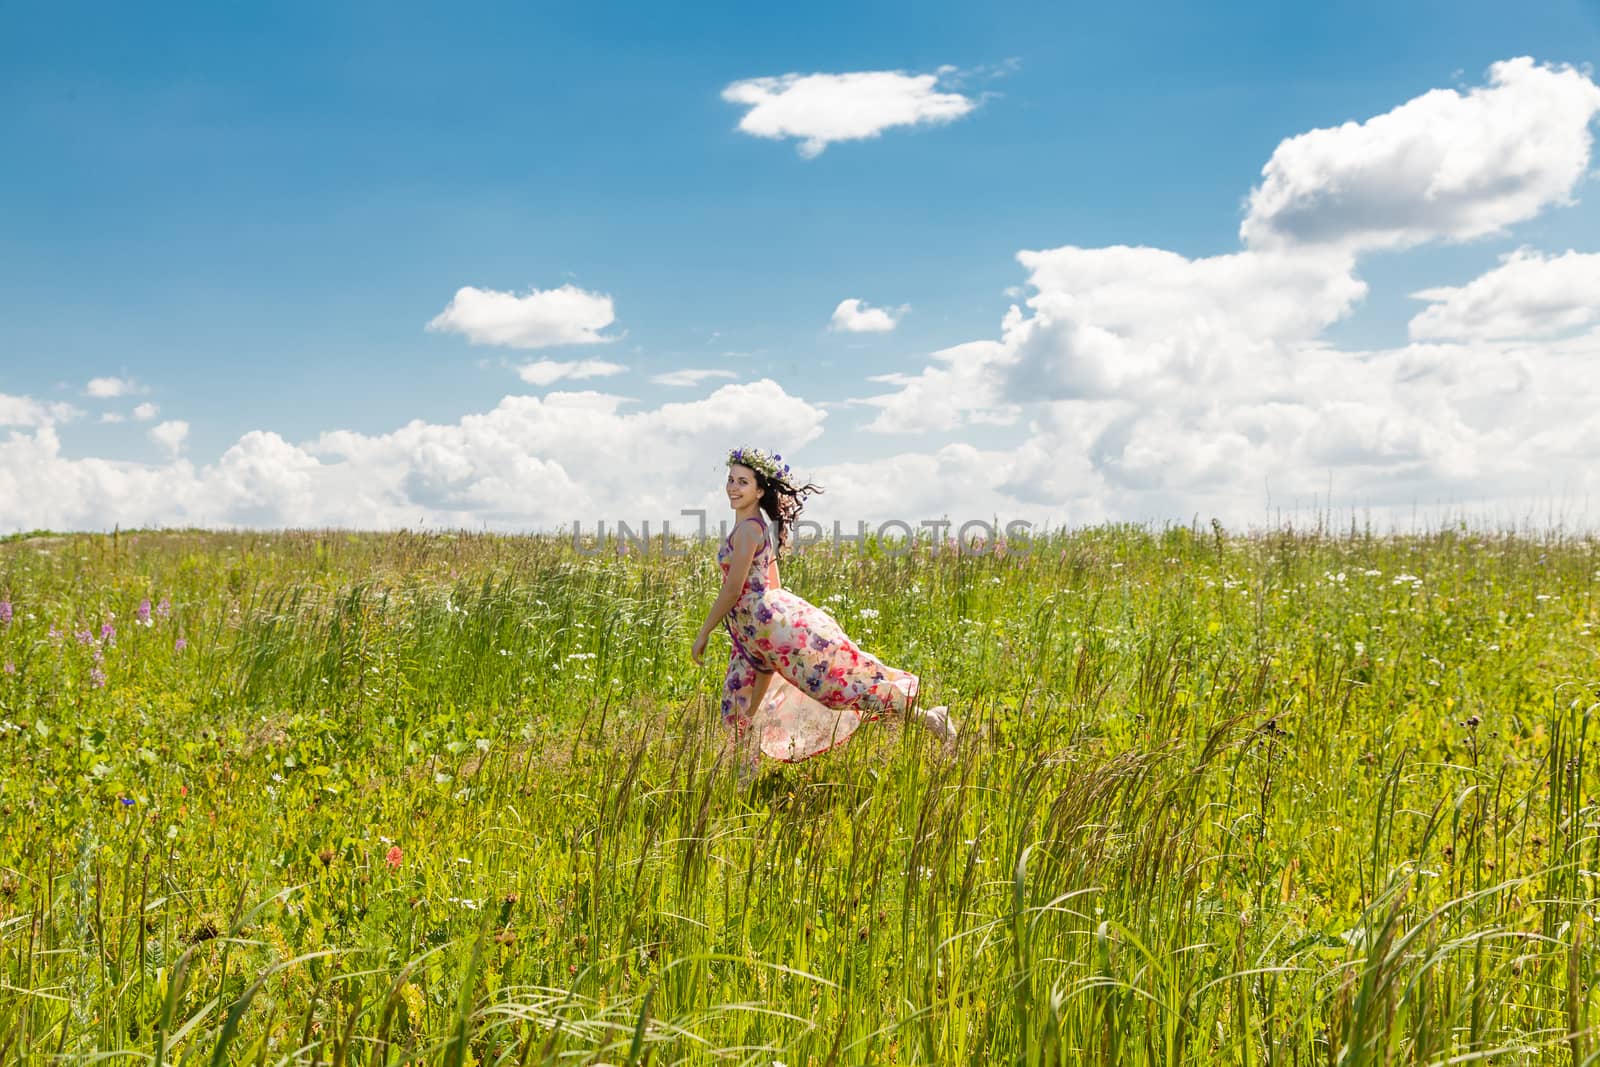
pixel 1289 798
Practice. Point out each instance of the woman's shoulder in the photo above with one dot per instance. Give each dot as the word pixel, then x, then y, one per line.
pixel 749 531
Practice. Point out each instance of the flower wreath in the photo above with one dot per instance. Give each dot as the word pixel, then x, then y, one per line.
pixel 770 467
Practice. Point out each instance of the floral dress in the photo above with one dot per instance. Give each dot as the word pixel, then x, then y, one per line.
pixel 823 685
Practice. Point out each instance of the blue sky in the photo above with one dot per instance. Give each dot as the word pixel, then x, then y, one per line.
pixel 252 212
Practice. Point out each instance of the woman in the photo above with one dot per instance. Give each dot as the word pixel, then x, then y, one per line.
pixel 790 659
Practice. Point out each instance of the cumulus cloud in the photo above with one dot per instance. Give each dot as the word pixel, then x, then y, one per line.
pixel 1125 382
pixel 960 388
pixel 1528 295
pixel 146 411
pixel 1123 323
pixel 855 316
pixel 820 109
pixel 689 376
pixel 26 411
pixel 549 371
pixel 539 318
pixel 528 463
pixel 1444 166
pixel 170 435
pixel 1157 384
pixel 109 388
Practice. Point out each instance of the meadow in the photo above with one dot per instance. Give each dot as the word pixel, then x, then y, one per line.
pixel 1292 797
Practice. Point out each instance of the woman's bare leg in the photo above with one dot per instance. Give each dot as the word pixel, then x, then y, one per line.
pixel 750 754
pixel 935 720
pixel 743 692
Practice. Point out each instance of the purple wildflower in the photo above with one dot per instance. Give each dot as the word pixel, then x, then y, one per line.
pixel 108 632
pixel 179 645
pixel 5 613
pixel 97 677
pixel 10 668
pixel 144 612
pixel 84 636
pixel 164 609
pixel 127 802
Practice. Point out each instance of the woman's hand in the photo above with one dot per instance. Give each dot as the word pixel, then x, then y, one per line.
pixel 698 649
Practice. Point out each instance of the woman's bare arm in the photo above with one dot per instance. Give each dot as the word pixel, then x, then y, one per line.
pixel 745 543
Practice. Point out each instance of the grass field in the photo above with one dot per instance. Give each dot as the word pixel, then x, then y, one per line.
pixel 1292 798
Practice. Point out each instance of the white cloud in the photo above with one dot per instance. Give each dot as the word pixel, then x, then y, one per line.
pixel 1153 385
pixel 1444 166
pixel 108 388
pixel 1126 383
pixel 1123 323
pixel 820 109
pixel 689 377
pixel 529 463
pixel 26 411
pixel 548 371
pixel 112 417
pixel 145 412
pixel 855 316
pixel 536 319
pixel 960 389
pixel 170 435
pixel 1528 295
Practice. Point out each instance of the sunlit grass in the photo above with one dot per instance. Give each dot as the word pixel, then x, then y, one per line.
pixel 381 799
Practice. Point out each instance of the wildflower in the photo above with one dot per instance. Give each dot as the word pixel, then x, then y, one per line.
pixel 54 634
pixel 108 632
pixel 179 645
pixel 127 802
pixel 868 613
pixel 415 1005
pixel 164 609
pixel 143 614
pixel 97 677
pixel 393 857
pixel 10 668
pixel 84 636
pixel 5 613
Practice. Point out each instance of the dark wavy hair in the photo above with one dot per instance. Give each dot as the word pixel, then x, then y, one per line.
pixel 782 499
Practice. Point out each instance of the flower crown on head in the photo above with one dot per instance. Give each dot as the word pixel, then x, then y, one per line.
pixel 770 467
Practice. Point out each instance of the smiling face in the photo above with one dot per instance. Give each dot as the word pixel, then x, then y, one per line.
pixel 742 488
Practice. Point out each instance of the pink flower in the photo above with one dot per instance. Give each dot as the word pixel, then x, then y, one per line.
pixel 11 668
pixel 392 858
pixel 164 608
pixel 143 614
pixel 179 645
pixel 5 613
